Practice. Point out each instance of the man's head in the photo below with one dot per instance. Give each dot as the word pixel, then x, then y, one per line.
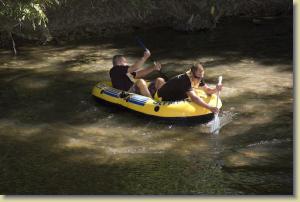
pixel 119 60
pixel 197 71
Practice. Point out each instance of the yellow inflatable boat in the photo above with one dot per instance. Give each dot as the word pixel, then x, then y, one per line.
pixel 186 109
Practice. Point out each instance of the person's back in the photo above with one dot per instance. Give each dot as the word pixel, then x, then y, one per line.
pixel 119 78
pixel 176 88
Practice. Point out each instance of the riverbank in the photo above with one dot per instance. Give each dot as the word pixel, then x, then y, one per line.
pixel 84 20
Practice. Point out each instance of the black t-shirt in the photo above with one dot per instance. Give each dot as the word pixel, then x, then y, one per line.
pixel 176 88
pixel 119 78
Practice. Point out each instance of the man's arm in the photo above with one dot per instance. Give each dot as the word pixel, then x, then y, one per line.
pixel 200 102
pixel 143 72
pixel 138 64
pixel 210 91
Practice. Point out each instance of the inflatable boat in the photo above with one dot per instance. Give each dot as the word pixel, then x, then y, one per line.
pixel 185 109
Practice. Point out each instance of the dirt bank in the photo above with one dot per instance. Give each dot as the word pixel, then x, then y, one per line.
pixel 76 19
pixel 73 20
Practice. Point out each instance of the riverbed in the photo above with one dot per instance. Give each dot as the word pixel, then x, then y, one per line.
pixel 55 139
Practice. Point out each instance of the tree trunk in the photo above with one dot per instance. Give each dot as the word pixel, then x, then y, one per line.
pixel 13 43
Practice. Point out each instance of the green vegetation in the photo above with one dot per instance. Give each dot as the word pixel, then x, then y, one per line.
pixel 72 20
pixel 16 13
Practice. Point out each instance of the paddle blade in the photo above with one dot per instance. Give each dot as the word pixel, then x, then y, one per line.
pixel 220 80
pixel 140 42
pixel 215 127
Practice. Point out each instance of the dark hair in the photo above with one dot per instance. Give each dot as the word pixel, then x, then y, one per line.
pixel 195 67
pixel 116 59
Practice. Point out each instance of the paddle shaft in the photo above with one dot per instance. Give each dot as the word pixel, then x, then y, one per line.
pixel 145 48
pixel 218 92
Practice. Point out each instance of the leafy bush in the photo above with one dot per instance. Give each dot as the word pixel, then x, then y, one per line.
pixel 15 13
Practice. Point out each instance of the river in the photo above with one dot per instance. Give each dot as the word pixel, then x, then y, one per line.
pixel 55 139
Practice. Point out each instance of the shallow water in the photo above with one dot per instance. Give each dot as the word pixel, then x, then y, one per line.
pixel 55 139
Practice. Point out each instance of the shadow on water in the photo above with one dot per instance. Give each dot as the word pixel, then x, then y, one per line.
pixel 261 156
pixel 47 169
pixel 46 97
pixel 236 164
pixel 244 34
pixel 43 164
pixel 54 139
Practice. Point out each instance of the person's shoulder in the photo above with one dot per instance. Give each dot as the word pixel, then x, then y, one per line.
pixel 184 77
pixel 181 76
pixel 112 69
pixel 177 77
pixel 119 67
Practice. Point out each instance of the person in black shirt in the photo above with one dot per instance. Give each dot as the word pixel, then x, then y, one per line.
pixel 181 87
pixel 130 78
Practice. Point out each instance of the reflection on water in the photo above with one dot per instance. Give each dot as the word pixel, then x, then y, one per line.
pixel 51 126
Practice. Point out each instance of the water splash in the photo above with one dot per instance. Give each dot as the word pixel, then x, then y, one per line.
pixel 268 142
pixel 225 118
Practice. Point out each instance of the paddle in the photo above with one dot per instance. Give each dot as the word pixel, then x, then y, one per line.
pixel 216 123
pixel 144 47
pixel 140 42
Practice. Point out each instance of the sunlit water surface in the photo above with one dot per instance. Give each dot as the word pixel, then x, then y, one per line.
pixel 55 139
